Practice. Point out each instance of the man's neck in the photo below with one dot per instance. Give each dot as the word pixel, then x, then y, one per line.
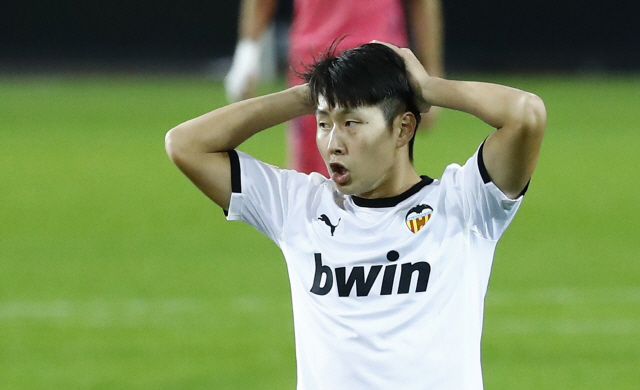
pixel 394 183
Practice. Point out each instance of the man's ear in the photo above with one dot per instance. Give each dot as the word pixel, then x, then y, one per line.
pixel 406 125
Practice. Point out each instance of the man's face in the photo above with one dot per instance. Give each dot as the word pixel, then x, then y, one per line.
pixel 357 146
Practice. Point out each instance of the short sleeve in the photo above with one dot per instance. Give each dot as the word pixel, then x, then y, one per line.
pixel 486 209
pixel 261 193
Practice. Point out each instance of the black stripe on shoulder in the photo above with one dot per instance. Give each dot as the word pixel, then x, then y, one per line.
pixel 483 169
pixel 524 191
pixel 485 175
pixel 234 161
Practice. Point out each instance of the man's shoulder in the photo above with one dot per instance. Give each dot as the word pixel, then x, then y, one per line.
pixel 453 172
pixel 287 182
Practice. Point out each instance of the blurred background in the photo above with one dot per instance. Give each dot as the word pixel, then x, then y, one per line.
pixel 115 272
pixel 38 35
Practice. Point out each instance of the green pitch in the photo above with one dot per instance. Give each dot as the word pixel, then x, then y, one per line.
pixel 116 273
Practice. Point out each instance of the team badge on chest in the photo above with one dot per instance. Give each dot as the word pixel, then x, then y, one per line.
pixel 418 217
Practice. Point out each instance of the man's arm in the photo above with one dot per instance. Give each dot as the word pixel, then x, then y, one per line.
pixel 199 146
pixel 511 152
pixel 255 17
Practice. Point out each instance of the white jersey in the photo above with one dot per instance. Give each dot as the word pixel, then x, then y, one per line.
pixel 387 293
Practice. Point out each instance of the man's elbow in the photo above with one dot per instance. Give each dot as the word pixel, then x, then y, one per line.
pixel 176 145
pixel 533 115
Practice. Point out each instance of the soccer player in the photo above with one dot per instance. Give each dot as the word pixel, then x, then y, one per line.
pixel 316 23
pixel 388 269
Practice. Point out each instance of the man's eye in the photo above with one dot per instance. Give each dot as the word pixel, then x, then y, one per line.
pixel 323 125
pixel 350 123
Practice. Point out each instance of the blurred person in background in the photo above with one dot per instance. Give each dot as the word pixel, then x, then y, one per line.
pixel 316 24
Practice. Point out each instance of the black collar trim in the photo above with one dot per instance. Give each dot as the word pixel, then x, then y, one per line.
pixel 394 200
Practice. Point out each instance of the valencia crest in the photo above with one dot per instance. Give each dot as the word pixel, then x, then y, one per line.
pixel 418 216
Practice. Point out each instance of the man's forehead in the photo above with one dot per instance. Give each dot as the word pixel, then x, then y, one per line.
pixel 324 107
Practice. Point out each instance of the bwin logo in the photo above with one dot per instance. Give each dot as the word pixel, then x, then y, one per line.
pixel 364 283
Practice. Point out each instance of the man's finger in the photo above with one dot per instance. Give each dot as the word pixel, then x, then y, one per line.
pixel 389 45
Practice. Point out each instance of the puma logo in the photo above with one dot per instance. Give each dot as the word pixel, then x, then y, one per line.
pixel 326 220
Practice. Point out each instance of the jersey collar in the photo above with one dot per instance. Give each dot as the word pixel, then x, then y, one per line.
pixel 394 200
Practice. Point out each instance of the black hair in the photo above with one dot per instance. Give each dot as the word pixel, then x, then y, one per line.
pixel 368 75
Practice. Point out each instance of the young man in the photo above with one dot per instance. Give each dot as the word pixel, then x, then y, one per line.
pixel 315 24
pixel 388 269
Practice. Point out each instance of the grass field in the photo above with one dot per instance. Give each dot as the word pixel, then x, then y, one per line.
pixel 116 273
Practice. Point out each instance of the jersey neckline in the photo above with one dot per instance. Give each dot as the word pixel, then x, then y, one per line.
pixel 394 200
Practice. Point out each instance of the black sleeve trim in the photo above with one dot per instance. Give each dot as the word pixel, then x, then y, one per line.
pixel 236 185
pixel 524 191
pixel 485 175
pixel 483 170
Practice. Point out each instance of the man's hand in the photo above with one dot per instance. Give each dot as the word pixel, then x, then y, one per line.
pixel 417 74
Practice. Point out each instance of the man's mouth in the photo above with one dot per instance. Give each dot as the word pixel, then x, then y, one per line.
pixel 339 174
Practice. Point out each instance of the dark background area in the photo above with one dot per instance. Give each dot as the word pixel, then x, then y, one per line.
pixel 491 35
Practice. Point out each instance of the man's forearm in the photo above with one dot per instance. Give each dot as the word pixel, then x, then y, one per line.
pixel 496 105
pixel 227 127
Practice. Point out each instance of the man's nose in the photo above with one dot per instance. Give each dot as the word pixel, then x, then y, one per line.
pixel 336 144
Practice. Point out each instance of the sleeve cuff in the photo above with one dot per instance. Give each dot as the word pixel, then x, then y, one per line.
pixel 236 182
pixel 485 174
